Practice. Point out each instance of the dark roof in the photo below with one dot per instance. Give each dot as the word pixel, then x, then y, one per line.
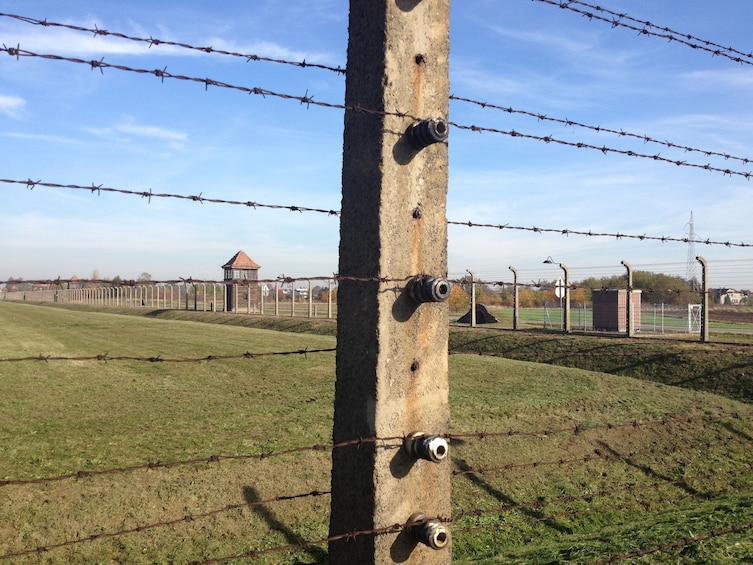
pixel 241 261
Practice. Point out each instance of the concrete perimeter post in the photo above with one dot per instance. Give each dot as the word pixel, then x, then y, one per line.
pixel 704 299
pixel 515 307
pixel 629 299
pixel 391 348
pixel 473 297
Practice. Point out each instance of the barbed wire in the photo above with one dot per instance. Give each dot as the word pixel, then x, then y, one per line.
pixel 172 522
pixel 106 357
pixel 663 32
pixel 591 233
pixel 153 42
pixel 605 150
pixel 677 544
pixel 625 489
pixel 387 442
pixel 308 100
pixel 149 194
pixel 82 474
pixel 59 283
pixel 600 129
pixel 597 455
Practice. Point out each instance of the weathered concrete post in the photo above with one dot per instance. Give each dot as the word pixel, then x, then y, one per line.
pixel 704 299
pixel 629 299
pixel 473 297
pixel 515 305
pixel 392 349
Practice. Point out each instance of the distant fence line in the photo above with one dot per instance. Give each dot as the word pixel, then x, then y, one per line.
pixel 253 298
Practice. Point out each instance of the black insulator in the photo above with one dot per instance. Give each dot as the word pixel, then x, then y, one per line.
pixel 427 132
pixel 429 289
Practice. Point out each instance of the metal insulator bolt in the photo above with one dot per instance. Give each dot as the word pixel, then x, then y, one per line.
pixel 428 531
pixel 429 447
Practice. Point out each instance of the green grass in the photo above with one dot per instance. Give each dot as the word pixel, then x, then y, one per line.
pixel 667 479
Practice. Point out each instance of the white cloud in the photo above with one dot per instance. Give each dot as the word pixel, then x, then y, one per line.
pixel 155 132
pixel 11 105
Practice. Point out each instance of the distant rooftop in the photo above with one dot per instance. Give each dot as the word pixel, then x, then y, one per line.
pixel 241 261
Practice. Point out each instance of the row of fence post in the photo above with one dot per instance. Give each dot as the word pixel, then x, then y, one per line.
pixel 630 319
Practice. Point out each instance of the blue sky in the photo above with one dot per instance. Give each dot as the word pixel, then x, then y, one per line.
pixel 66 123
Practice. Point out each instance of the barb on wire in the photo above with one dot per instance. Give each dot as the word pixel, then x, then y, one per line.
pixel 173 522
pixel 578 428
pixel 308 100
pixel 677 544
pixel 590 233
pixel 158 359
pixel 646 27
pixel 153 42
pixel 600 129
pixel 82 474
pixel 30 184
pixel 630 488
pixel 607 150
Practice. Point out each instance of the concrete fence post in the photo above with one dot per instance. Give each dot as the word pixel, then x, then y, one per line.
pixel 391 348
pixel 473 297
pixel 515 304
pixel 629 320
pixel 704 299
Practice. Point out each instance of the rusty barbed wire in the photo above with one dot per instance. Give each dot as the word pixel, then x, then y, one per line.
pixel 153 42
pixel 308 100
pixel 387 442
pixel 166 523
pixel 98 189
pixel 591 233
pixel 677 544
pixel 663 32
pixel 631 488
pixel 106 357
pixel 149 194
pixel 579 428
pixel 596 455
pixel 605 150
pixel 599 129
pixel 82 474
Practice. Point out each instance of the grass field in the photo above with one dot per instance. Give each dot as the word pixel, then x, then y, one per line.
pixel 551 464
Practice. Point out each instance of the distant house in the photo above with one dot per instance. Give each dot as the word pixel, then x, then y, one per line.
pixel 728 296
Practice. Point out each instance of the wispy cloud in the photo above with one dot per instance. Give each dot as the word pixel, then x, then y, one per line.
pixel 11 105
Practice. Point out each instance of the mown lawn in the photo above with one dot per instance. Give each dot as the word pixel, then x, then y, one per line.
pixel 550 464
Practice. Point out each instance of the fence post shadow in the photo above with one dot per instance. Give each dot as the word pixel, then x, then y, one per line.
pixel 251 496
pixel 473 477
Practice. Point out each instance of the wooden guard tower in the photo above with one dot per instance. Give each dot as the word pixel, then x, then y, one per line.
pixel 241 274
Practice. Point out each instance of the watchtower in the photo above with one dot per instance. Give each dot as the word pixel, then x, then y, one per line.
pixel 240 276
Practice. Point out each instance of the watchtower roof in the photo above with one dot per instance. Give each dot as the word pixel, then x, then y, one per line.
pixel 241 261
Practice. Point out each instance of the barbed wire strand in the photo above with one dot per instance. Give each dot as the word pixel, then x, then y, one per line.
pixel 308 100
pixel 153 42
pixel 625 489
pixel 677 544
pixel 166 523
pixel 159 359
pixel 600 129
pixel 664 32
pixel 93 188
pixel 388 442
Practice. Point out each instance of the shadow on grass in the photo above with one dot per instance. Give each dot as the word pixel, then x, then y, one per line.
pixel 251 495
pixel 502 497
pixel 648 471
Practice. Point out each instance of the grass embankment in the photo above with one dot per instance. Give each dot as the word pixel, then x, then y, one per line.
pixel 721 367
pixel 586 465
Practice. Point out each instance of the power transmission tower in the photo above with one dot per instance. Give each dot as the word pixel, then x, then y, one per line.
pixel 691 269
